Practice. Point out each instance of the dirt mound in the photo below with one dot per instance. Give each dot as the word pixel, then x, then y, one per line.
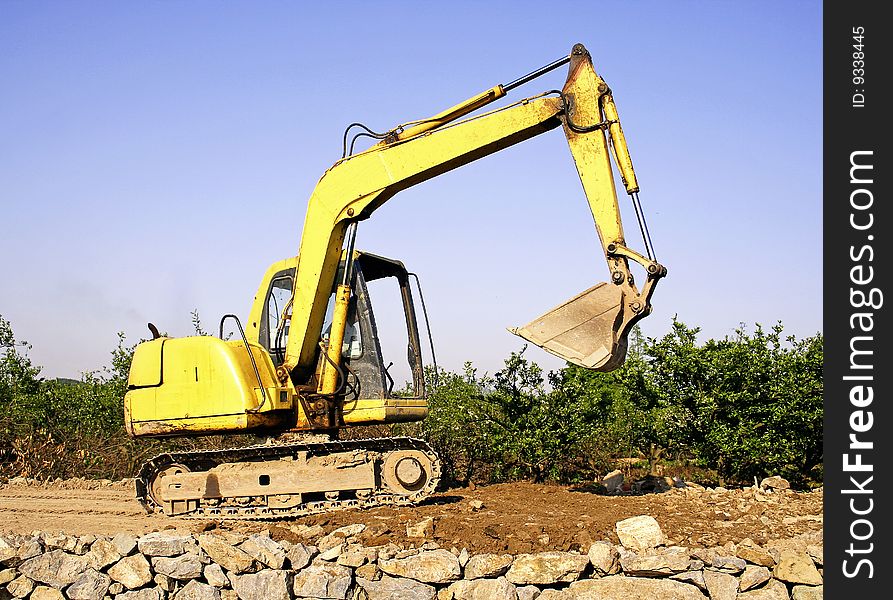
pixel 512 517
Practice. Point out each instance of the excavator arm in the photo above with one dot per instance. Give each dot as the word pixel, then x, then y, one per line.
pixel 353 188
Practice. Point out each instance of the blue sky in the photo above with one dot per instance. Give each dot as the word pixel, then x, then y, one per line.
pixel 155 157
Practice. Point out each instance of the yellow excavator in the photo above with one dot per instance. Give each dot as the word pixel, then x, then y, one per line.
pixel 308 360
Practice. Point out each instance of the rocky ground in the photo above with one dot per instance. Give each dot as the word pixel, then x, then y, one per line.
pixel 513 518
pixel 504 542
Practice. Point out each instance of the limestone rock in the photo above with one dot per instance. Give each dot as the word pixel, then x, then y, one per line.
pixel 694 577
pixel 754 553
pixel 266 584
pixel 92 585
pixel 195 590
pixel 603 556
pixel 800 592
pixel 483 589
pixel 226 555
pixel 729 564
pixel 299 556
pixel 547 568
pixel 215 576
pixel 721 586
pixel 43 592
pixel 353 557
pixel 396 588
pixel 168 584
pixel 102 554
pixel 161 543
pixel 433 566
pixel 125 543
pixel 774 590
pixel 640 533
pixel 797 567
pixel 528 592
pixel 143 594
pixel 548 594
pixel 29 549
pixel 619 587
pixel 613 481
pixel 752 577
pixel 7 575
pixel 20 587
pixel 332 553
pixel 775 483
pixel 115 588
pixel 183 567
pixel 422 529
pixel 264 550
pixel 655 565
pixel 132 571
pixel 487 565
pixel 368 571
pixel 321 581
pixel 56 568
pixel 817 553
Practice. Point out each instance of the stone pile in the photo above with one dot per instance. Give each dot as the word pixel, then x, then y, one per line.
pixel 169 565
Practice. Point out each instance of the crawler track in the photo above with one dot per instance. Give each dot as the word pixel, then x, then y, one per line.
pixel 256 508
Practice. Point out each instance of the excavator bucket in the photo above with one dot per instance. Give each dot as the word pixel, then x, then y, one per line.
pixel 588 330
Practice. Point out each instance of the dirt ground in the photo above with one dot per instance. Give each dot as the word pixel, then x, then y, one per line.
pixel 514 517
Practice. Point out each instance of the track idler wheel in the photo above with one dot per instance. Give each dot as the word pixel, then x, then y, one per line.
pixel 406 471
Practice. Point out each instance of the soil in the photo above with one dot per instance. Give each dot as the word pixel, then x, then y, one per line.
pixel 513 517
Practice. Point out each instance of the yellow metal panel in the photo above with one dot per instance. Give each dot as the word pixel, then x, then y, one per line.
pixel 368 411
pixel 146 365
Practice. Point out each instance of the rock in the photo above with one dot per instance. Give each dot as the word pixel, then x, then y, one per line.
pixel 463 557
pixel 817 554
pixel 555 595
pixel 164 582
pixel 29 549
pixel 800 592
pixel 59 541
pixel 195 590
pixel 774 590
pixel 115 588
pixel 775 483
pixel 797 567
pixel 353 557
pixel 483 589
pixel 125 543
pixel 475 505
pixel 215 576
pixel 20 587
pixel 613 481
pixel 434 566
pixel 92 585
pixel 7 575
pixel 43 592
pixel 143 594
pixel 528 592
pixel 161 543
pixel 396 588
pixel 132 571
pixel 754 553
pixel 487 565
pixel 226 555
pixel 752 577
pixel 349 531
pixel 603 556
pixel 266 584
pixel 102 554
pixel 655 565
pixel 547 568
pixel 264 550
pixel 56 568
pixel 693 577
pixel 729 564
pixel 369 571
pixel 321 581
pixel 721 586
pixel 422 529
pixel 332 553
pixel 299 556
pixel 639 533
pixel 183 567
pixel 619 587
